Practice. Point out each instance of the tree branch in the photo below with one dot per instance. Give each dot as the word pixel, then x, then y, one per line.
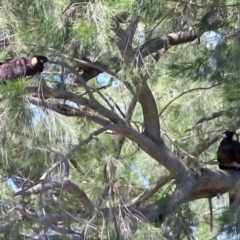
pixel 205 118
pixel 202 183
pixel 49 220
pixel 150 191
pixel 145 97
pixel 160 153
pixel 62 160
pixel 157 151
pixel 186 92
pixel 123 43
pixel 79 100
pixel 150 112
pixel 131 29
pixel 211 182
pixel 80 79
pixel 206 143
pixel 129 114
pixel 198 184
pixel 151 46
pixel 73 150
pixel 200 148
pixel 66 185
pixel 172 39
pixel 69 111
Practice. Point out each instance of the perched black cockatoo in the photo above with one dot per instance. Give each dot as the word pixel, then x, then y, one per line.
pixel 22 67
pixel 228 155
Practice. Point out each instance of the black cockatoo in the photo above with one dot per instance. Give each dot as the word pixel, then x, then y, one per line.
pixel 22 67
pixel 228 155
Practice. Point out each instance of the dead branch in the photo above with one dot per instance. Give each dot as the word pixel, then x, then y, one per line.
pixel 211 213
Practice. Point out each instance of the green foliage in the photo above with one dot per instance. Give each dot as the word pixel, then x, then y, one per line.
pixel 189 81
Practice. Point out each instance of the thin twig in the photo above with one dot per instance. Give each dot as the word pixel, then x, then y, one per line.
pixel 163 180
pixel 72 69
pixel 186 92
pixel 206 118
pixel 73 150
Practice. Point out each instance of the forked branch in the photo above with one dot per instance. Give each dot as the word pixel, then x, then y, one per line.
pixel 66 110
pixel 131 29
pixel 123 41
